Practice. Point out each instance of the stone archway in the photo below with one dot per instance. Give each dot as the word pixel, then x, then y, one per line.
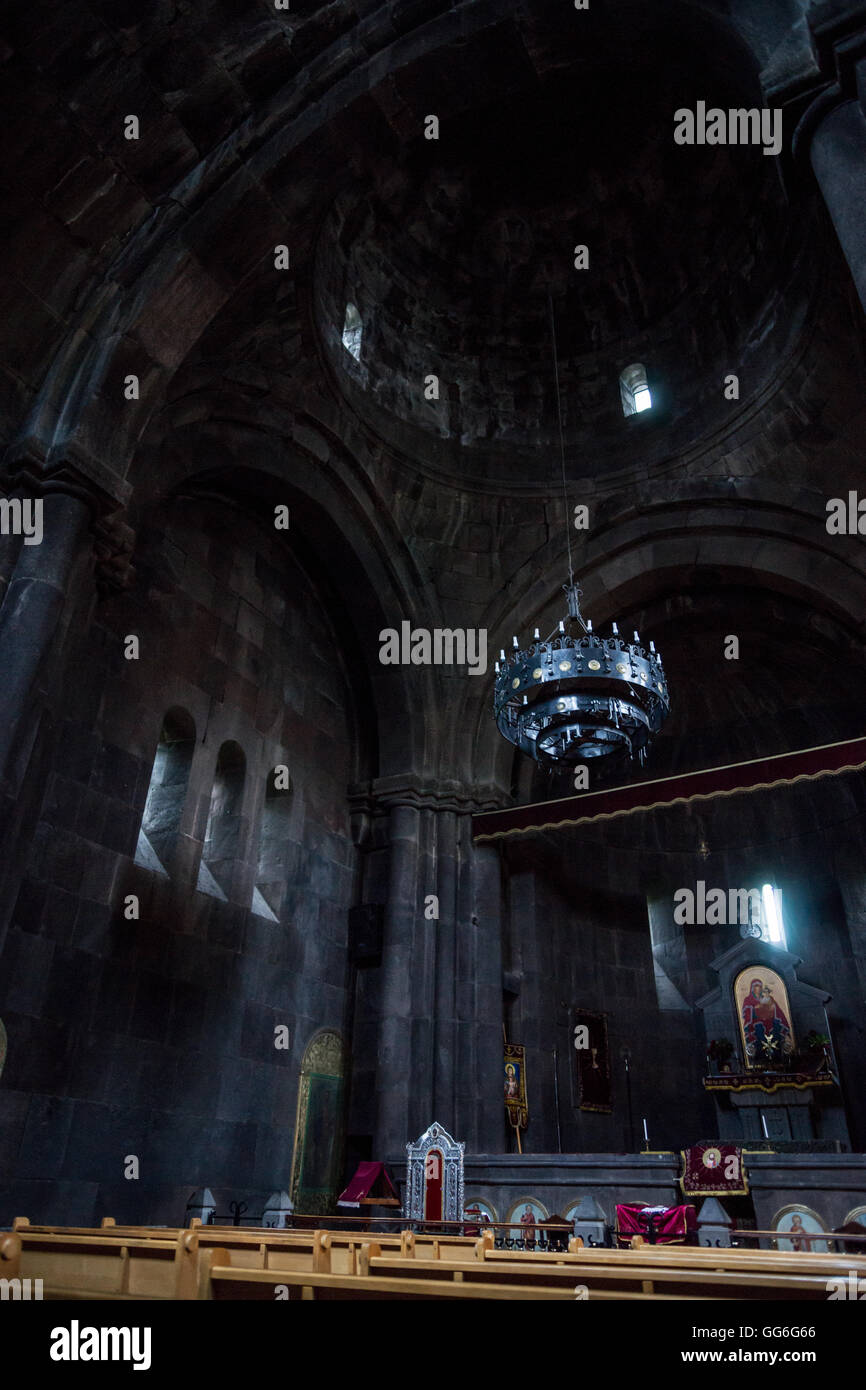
pixel 631 566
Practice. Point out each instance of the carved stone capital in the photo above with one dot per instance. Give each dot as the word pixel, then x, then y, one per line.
pixel 27 465
pixel 826 67
pixel 28 469
pixel 381 795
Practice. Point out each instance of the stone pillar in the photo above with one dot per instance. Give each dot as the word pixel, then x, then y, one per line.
pixel 532 958
pixel 440 1031
pixel 850 873
pixel 851 878
pixel 838 154
pixel 32 606
pixel 470 1080
pixel 399 963
pixel 419 1065
pixel 487 931
pixel 9 547
pixel 446 929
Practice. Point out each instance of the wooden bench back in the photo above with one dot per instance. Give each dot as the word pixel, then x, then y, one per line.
pixel 615 1274
pixel 117 1262
pixel 226 1282
pixel 693 1257
pixel 100 1265
pixel 266 1248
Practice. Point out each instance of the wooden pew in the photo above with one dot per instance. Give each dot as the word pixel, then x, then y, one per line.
pixel 266 1248
pixel 795 1262
pixel 269 1285
pixel 127 1262
pixel 684 1256
pixel 413 1245
pixel 121 1261
pixel 109 1263
pixel 113 1261
pixel 614 1276
pixel 98 1265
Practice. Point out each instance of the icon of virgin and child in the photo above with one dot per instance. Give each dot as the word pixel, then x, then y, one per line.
pixel 766 1029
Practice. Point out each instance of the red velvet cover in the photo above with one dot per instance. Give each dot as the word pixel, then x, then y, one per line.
pixel 367 1175
pixel 433 1186
pixel 671 1225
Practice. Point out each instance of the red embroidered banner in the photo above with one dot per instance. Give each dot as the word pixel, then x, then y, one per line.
pixel 713 1170
pixel 828 760
pixel 515 1085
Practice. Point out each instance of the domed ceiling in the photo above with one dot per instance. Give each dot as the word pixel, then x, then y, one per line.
pixel 450 250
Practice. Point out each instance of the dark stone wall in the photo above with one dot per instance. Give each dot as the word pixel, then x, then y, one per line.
pixel 590 908
pixel 155 1037
pixel 591 949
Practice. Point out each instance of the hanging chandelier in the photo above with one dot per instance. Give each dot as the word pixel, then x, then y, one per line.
pixel 577 696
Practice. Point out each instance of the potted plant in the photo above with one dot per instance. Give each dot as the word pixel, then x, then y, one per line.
pixel 719 1052
pixel 818 1045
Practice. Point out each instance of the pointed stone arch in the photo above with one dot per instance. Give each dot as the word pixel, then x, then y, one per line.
pixel 354 557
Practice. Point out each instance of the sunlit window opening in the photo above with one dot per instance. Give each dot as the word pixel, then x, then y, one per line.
pixel 773 928
pixel 166 796
pixel 634 390
pixel 352 332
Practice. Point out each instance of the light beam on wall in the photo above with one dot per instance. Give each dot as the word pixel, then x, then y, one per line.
pixel 773 914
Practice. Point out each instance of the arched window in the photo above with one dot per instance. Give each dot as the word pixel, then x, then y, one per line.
pixel 166 794
pixel 353 330
pixel 275 848
pixel 634 390
pixel 759 912
pixel 222 836
pixel 772 924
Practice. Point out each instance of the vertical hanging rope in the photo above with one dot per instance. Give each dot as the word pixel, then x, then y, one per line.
pixel 561 439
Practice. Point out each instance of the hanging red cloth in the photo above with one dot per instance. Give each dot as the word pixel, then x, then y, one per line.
pixel 670 1225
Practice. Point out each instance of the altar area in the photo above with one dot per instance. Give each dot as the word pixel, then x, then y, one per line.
pixel 815 1192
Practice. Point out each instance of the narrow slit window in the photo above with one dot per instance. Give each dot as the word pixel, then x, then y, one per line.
pixel 276 849
pixel 772 925
pixel 222 839
pixel 634 390
pixel 763 917
pixel 166 795
pixel 353 330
